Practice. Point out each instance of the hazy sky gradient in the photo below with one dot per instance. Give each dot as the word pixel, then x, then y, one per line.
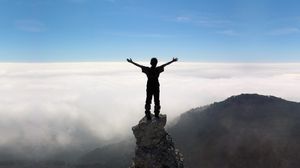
pixel 51 106
pixel 111 30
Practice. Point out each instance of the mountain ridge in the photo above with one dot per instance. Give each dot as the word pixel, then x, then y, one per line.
pixel 213 136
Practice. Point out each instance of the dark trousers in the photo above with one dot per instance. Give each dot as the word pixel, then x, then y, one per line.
pixel 152 92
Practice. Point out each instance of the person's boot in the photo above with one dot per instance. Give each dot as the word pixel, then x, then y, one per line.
pixel 157 114
pixel 148 115
pixel 156 111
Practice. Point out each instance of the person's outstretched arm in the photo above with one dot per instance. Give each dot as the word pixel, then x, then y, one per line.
pixel 136 64
pixel 173 60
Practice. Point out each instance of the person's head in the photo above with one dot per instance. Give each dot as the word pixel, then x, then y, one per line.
pixel 153 62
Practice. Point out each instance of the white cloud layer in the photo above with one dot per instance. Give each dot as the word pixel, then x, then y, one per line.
pixel 58 105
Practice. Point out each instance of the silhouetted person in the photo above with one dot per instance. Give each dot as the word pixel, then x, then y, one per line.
pixel 152 84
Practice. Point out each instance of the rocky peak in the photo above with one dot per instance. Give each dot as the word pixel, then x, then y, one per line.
pixel 154 146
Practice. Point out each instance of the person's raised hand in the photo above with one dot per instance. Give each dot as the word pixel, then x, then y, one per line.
pixel 129 60
pixel 175 59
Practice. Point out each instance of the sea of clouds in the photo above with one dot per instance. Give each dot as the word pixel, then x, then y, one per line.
pixel 50 106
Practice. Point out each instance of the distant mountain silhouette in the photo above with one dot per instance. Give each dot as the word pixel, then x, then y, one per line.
pixel 244 131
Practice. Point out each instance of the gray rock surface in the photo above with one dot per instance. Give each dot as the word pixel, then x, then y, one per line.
pixel 154 146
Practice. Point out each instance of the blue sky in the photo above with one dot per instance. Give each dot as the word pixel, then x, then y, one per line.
pixel 112 30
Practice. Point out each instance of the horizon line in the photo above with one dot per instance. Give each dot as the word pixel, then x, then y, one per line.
pixel 188 61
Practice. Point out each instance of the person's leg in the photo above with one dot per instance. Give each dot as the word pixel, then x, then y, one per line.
pixel 148 104
pixel 156 102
